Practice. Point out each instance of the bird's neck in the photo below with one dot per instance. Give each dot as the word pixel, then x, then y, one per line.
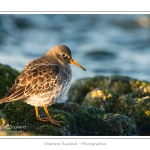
pixel 55 60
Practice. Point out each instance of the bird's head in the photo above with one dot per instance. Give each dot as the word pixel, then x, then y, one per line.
pixel 63 54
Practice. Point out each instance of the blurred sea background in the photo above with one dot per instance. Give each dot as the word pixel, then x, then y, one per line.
pixel 105 44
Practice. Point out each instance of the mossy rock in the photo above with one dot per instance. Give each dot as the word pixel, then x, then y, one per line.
pixel 118 84
pixel 123 101
pixel 119 94
pixel 121 124
pixel 81 87
pixel 77 120
pixel 101 98
pixel 7 78
pixel 139 108
pixel 4 126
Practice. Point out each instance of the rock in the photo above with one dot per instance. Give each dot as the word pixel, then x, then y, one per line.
pixel 114 105
pixel 118 84
pixel 7 78
pixel 138 108
pixel 101 98
pixel 116 94
pixel 77 120
pixel 4 126
pixel 81 87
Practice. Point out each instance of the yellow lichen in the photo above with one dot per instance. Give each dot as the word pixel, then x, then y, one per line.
pixel 147 113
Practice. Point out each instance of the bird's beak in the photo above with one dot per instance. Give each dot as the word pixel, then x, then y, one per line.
pixel 72 61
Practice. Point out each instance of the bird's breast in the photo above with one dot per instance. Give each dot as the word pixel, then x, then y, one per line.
pixel 58 91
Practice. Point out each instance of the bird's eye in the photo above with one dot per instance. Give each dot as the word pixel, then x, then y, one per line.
pixel 63 55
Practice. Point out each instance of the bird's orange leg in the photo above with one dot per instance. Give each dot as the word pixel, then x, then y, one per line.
pixel 38 117
pixel 46 119
pixel 49 117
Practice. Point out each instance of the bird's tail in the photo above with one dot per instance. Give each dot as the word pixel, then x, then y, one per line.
pixel 4 100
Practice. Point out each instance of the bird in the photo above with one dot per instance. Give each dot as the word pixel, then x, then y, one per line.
pixel 44 81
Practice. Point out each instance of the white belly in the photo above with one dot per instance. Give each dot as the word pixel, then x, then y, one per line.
pixel 49 98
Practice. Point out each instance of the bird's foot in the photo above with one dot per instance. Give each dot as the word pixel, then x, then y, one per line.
pixel 47 119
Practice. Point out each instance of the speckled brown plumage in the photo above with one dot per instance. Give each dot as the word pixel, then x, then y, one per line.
pixel 43 81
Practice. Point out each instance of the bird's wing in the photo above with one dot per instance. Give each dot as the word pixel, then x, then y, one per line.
pixel 34 80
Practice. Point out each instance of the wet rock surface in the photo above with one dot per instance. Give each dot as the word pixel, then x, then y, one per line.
pixel 98 106
pixel 116 94
pixel 77 120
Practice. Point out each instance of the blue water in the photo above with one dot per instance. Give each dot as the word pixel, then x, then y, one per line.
pixel 103 44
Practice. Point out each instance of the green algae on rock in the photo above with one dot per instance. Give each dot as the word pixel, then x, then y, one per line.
pixel 121 124
pixel 116 94
pixel 138 108
pixel 134 106
pixel 81 87
pixel 77 120
pixel 4 126
pixel 7 78
pixel 23 115
pixel 101 98
pixel 123 108
pixel 117 84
